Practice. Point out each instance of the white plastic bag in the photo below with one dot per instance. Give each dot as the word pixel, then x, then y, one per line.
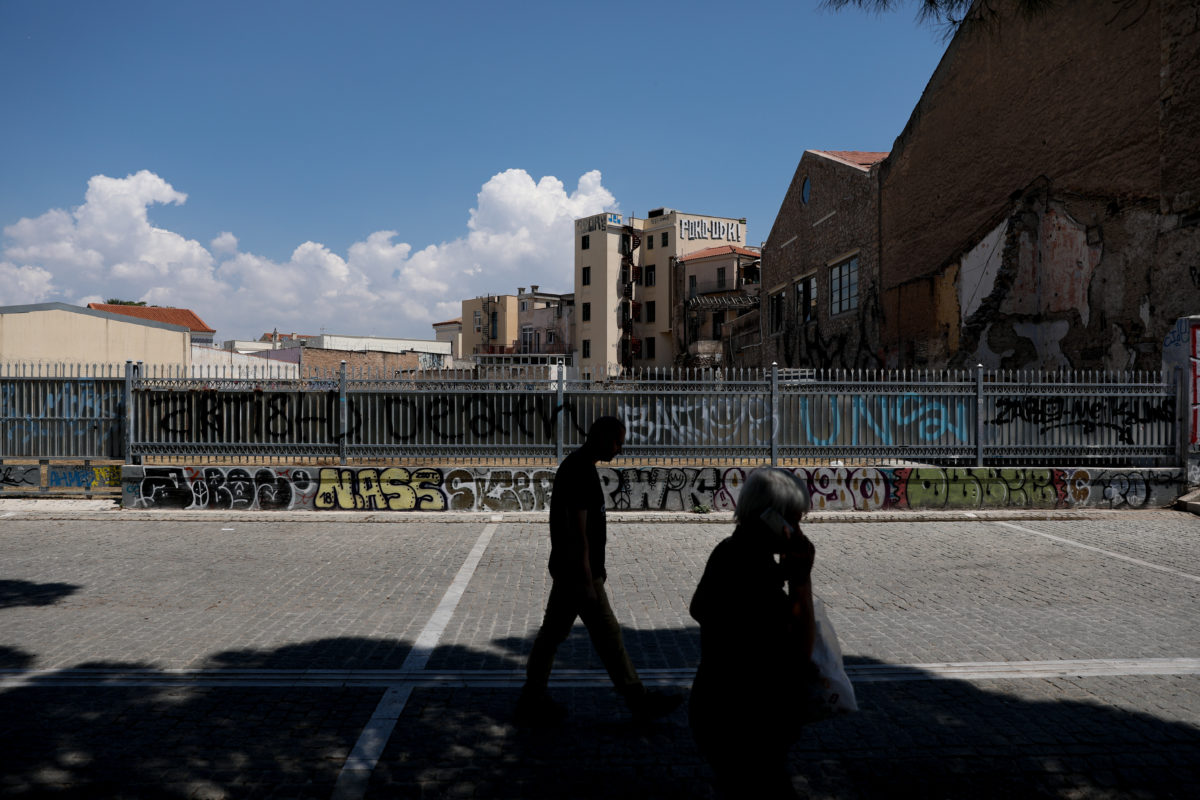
pixel 831 694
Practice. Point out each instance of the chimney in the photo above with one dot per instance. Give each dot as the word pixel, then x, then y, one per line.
pixel 533 288
pixel 520 290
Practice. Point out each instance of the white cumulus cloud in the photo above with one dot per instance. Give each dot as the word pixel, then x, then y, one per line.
pixel 518 234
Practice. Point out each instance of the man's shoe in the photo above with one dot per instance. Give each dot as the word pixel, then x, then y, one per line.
pixel 539 710
pixel 653 704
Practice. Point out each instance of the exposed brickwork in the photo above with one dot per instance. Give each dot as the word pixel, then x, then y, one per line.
pixel 373 360
pixel 1071 139
pixel 839 221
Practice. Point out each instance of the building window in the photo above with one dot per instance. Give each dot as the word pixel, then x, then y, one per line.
pixel 587 348
pixel 650 311
pixel 775 317
pixel 478 321
pixel 806 299
pixel 524 305
pixel 624 275
pixel 843 286
pixel 664 239
pixel 720 277
pixel 587 241
pixel 495 325
pixel 549 337
pixel 691 285
pixel 648 348
pixel 649 274
pixel 586 312
pixel 626 246
pixel 650 242
pixel 586 278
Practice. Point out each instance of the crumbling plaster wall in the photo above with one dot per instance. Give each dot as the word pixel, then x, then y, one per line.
pixel 1030 178
pixel 1069 282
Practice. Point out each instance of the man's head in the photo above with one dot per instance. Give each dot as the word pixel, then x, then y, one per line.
pixel 605 438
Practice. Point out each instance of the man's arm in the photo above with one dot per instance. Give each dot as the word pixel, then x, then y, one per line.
pixel 589 585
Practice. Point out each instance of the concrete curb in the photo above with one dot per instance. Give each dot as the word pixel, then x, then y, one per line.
pixel 45 509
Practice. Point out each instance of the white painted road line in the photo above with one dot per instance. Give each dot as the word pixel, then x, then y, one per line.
pixel 1102 551
pixel 391 707
pixel 432 634
pixel 356 772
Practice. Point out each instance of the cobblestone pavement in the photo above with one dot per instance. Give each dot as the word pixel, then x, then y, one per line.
pixel 226 656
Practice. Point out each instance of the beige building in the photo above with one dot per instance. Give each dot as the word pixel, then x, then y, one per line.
pixel 626 271
pixel 57 332
pixel 451 333
pixel 546 321
pixel 490 325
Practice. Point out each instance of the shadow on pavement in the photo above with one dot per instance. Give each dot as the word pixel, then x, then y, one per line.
pixel 14 593
pixel 921 738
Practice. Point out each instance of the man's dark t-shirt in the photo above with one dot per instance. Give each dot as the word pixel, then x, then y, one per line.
pixel 576 488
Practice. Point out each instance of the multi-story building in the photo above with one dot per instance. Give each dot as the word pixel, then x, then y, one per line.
pixel 719 284
pixel 625 275
pixel 489 325
pixel 546 321
pixel 820 265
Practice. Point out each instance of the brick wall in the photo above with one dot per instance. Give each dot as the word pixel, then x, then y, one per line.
pixel 840 219
pixel 314 358
pixel 1071 97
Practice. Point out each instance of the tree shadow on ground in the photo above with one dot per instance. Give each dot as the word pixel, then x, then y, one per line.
pixel 1119 737
pixel 14 593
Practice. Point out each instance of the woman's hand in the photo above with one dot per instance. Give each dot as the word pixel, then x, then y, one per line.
pixel 797 560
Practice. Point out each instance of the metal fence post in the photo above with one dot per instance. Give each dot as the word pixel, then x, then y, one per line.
pixel 979 415
pixel 773 406
pixel 1183 397
pixel 558 414
pixel 127 407
pixel 342 413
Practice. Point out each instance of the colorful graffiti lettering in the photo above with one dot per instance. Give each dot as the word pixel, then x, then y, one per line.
pixel 390 489
pixel 500 489
pixel 82 477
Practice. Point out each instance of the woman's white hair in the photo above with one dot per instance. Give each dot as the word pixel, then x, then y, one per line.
pixel 771 487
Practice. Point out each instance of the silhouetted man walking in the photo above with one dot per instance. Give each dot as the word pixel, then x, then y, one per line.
pixel 577 539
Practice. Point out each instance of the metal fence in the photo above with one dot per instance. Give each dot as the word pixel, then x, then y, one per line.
pixel 944 418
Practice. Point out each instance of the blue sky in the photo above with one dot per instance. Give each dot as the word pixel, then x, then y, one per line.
pixel 361 167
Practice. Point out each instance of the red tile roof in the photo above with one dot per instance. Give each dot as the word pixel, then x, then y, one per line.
pixel 721 250
pixel 457 320
pixel 856 158
pixel 171 316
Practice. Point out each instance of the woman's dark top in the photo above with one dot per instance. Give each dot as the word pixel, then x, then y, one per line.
pixel 752 674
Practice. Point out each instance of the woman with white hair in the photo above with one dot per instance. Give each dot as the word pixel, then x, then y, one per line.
pixel 756 639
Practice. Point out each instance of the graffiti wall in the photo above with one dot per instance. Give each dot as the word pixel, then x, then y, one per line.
pixel 60 478
pixel 500 489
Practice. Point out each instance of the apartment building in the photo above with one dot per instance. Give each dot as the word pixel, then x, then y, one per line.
pixel 490 325
pixel 626 292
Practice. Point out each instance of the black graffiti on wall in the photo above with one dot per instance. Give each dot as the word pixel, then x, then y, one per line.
pixel 659 488
pixel 224 488
pixel 16 477
pixel 499 489
pixel 450 418
pixel 236 417
pixel 1117 414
